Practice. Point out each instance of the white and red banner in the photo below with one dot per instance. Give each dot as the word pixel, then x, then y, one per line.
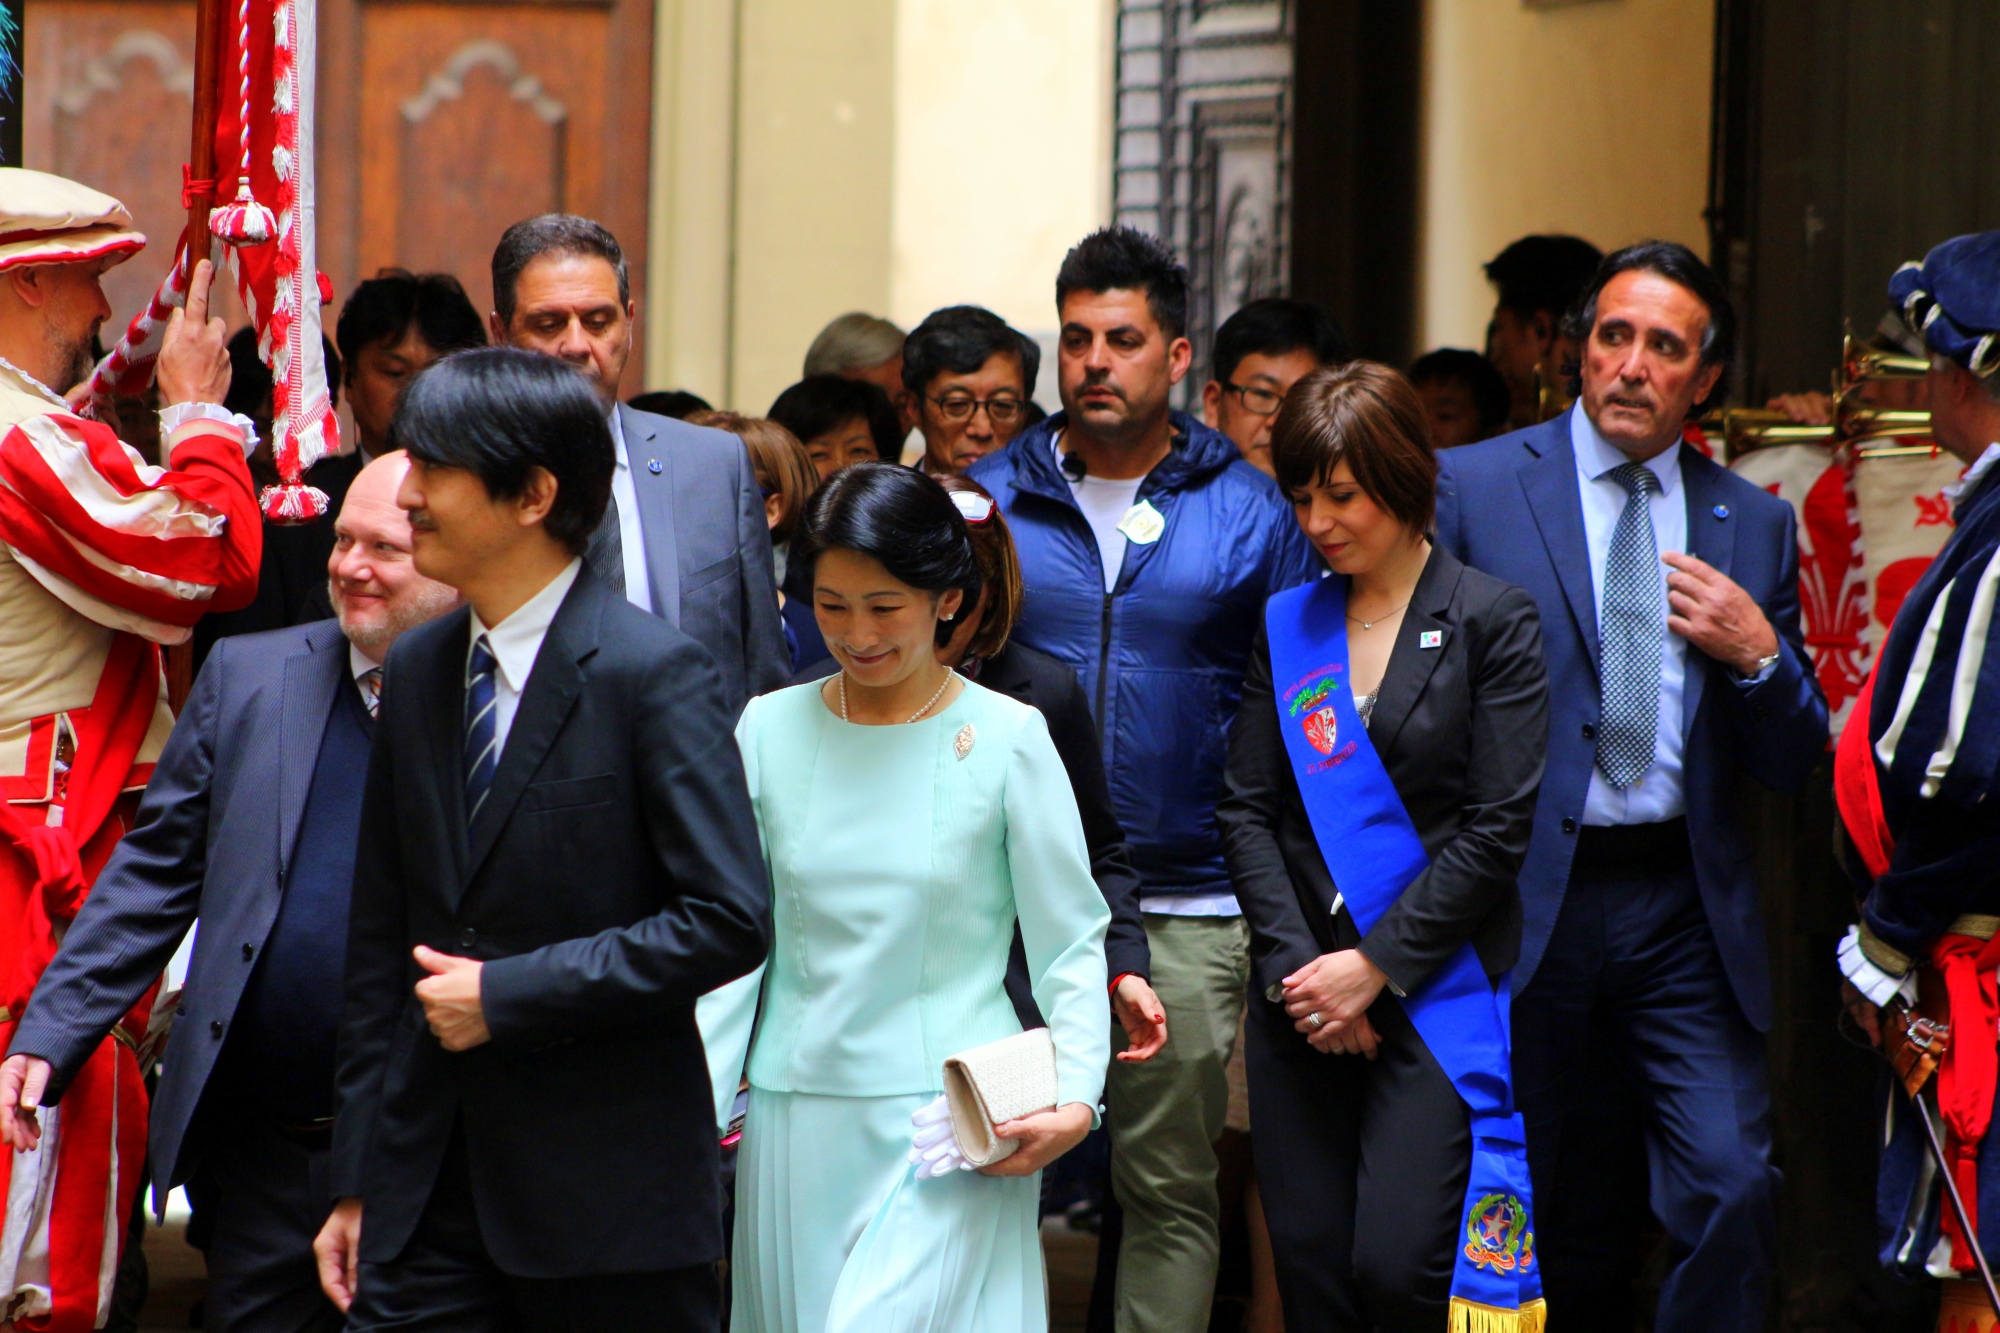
pixel 1868 529
pixel 264 220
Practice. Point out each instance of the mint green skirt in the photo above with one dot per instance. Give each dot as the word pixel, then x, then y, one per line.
pixel 835 1234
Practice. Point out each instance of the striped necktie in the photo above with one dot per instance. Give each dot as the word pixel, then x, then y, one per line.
pixel 371 690
pixel 1633 619
pixel 482 742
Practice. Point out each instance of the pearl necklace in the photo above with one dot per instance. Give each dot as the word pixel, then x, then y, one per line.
pixel 912 717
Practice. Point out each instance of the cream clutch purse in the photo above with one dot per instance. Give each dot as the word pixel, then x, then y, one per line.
pixel 992 1084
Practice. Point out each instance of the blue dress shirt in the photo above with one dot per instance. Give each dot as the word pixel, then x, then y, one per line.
pixel 1657 795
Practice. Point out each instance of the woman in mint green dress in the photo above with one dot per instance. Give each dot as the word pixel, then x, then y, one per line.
pixel 910 819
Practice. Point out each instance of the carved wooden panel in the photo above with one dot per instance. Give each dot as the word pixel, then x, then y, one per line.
pixel 1202 156
pixel 107 90
pixel 440 122
pixel 473 119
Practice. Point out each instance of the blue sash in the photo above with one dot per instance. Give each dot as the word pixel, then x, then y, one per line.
pixel 1373 852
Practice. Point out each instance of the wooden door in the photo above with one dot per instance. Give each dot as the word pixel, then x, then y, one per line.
pixel 107 89
pixel 440 123
pixel 444 121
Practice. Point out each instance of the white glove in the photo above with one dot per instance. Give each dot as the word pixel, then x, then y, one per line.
pixel 1870 980
pixel 934 1148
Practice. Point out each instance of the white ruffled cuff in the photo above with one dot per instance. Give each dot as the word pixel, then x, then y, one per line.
pixel 1870 980
pixel 173 418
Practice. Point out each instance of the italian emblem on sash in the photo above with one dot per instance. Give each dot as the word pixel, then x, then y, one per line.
pixel 1496 1234
pixel 1323 729
pixel 1309 702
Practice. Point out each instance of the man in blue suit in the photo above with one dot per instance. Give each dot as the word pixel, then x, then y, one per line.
pixel 1668 589
pixel 249 823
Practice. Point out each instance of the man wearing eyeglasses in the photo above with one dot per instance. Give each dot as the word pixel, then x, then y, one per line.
pixel 971 377
pixel 1261 351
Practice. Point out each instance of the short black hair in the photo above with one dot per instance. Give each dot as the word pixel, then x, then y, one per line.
pixel 1126 259
pixel 558 234
pixel 1481 378
pixel 1543 275
pixel 898 516
pixel 820 403
pixel 1273 326
pixel 1681 266
pixel 500 413
pixel 676 403
pixel 384 308
pixel 957 340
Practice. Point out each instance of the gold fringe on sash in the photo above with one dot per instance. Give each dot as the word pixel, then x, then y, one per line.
pixel 1475 1317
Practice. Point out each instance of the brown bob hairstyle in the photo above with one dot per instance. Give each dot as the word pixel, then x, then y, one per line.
pixel 999 570
pixel 781 463
pixel 1365 414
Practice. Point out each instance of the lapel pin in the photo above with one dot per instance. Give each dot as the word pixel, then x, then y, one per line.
pixel 653 466
pixel 1431 638
pixel 1722 511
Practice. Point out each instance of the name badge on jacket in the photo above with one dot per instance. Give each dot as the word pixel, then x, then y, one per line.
pixel 1142 523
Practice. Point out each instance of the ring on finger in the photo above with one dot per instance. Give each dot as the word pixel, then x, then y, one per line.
pixel 1316 1021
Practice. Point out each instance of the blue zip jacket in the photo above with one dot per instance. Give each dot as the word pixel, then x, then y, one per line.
pixel 1162 655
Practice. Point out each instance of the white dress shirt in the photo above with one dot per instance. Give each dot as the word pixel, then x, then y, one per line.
pixel 631 535
pixel 515 643
pixel 1657 795
pixel 358 663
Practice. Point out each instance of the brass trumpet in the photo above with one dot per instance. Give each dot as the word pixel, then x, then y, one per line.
pixel 1748 428
pixel 1860 363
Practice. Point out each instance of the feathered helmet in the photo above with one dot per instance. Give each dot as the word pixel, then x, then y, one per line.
pixel 1952 300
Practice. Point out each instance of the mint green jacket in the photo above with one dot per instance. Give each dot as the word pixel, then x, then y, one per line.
pixel 901 858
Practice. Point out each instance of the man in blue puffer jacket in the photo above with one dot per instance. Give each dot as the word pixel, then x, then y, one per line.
pixel 1148 547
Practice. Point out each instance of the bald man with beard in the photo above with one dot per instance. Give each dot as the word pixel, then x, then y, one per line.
pixel 275 735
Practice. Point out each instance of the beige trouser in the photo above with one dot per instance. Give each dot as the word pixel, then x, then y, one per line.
pixel 1165 1117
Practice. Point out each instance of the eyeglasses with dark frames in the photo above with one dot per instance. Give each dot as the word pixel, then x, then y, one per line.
pixel 1001 411
pixel 1257 401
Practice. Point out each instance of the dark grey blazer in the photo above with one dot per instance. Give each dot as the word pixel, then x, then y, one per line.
pixel 613 877
pixel 1462 729
pixel 708 548
pixel 212 839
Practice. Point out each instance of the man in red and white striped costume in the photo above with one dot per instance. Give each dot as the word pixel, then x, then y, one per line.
pixel 102 559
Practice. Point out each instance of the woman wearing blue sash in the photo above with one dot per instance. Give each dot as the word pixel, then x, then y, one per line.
pixel 1382 779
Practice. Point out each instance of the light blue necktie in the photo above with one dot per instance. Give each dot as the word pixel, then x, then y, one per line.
pixel 482 743
pixel 1633 627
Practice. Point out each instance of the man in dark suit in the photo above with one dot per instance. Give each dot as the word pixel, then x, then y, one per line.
pixel 275 737
pixel 1668 590
pixel 684 536
pixel 558 857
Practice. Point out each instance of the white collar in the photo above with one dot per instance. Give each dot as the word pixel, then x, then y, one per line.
pixel 35 385
pixel 618 440
pixel 516 640
pixel 358 663
pixel 1596 456
pixel 1981 465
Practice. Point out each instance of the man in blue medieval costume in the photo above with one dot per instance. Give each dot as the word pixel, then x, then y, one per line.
pixel 1914 774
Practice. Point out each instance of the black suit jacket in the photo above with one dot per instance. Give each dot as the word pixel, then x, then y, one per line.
pixel 1048 685
pixel 1462 729
pixel 213 838
pixel 612 877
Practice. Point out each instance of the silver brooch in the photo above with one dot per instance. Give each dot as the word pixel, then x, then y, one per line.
pixel 961 744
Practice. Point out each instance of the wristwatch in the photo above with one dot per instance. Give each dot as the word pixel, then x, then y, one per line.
pixel 1763 664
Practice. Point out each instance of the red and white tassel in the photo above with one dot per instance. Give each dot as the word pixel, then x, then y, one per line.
pixel 243 221
pixel 292 502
